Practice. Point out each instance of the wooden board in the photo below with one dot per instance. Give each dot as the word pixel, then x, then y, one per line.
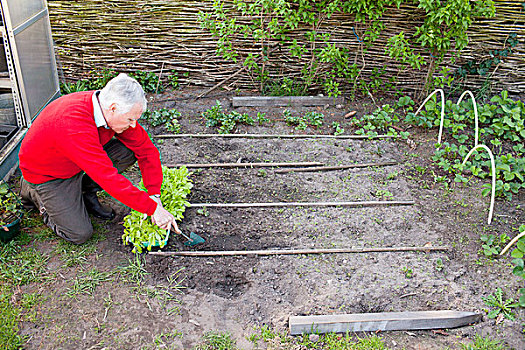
pixel 278 101
pixel 357 204
pixel 383 321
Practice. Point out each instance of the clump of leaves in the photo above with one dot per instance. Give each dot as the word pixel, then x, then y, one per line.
pixel 314 119
pixel 500 306
pixel 382 120
pixel 167 117
pixel 149 81
pixel 215 116
pixel 139 230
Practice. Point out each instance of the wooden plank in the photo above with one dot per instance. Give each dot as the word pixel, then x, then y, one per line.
pixel 273 136
pixel 337 167
pixel 243 165
pixel 383 321
pixel 299 251
pixel 357 204
pixel 280 101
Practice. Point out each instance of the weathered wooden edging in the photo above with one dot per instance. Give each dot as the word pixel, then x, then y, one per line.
pixel 274 136
pixel 280 101
pixel 383 321
pixel 299 251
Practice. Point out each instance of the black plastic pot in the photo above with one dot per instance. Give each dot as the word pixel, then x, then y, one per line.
pixel 11 230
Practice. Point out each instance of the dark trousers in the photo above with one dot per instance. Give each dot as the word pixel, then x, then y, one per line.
pixel 60 201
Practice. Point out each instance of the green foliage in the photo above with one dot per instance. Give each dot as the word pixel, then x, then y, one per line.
pixel 444 25
pixel 167 117
pixel 496 56
pixel 382 120
pixel 501 125
pixel 10 206
pixel 139 230
pixel 215 116
pixel 499 305
pixel 99 79
pixel 217 341
pixel 481 343
pixel 399 49
pixel 491 245
pixel 519 264
pixel 10 339
pixel 68 88
pixel 87 282
pixel 148 80
pixel 172 80
pixel 284 87
pixel 339 130
pixel 314 119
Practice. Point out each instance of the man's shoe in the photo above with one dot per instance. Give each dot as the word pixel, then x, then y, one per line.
pixel 96 209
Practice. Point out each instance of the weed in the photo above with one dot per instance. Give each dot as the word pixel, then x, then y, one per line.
pixel 9 329
pixel 407 271
pixel 500 306
pixel 439 264
pixel 203 211
pixel 262 173
pixel 383 194
pixel 173 80
pixel 338 129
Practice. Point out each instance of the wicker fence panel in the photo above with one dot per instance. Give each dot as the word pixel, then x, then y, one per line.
pixel 164 35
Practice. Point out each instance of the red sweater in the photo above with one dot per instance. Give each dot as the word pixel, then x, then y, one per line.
pixel 64 140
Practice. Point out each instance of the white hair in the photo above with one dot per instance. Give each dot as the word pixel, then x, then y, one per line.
pixel 125 92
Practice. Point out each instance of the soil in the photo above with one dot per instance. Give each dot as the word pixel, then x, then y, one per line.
pixel 241 294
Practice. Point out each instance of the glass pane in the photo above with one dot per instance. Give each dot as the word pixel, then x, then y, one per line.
pixel 21 10
pixel 37 65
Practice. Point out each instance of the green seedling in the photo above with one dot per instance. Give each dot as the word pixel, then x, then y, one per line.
pixel 500 306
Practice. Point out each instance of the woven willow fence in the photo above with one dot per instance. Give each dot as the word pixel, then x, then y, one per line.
pixel 164 35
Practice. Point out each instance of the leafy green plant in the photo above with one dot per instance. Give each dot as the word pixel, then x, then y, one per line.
pixel 491 245
pixel 382 121
pixel 172 80
pixel 139 229
pixel 148 80
pixel 68 88
pixel 10 206
pixel 339 130
pixel 99 79
pixel 500 306
pixel 314 119
pixel 167 117
pixel 215 116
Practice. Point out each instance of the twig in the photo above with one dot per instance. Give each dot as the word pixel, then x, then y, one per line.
pixel 300 251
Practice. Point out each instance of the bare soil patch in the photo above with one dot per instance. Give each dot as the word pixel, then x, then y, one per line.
pixel 240 294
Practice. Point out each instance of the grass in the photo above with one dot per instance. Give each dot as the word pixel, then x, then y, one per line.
pixel 481 343
pixel 87 282
pixel 330 341
pixel 217 341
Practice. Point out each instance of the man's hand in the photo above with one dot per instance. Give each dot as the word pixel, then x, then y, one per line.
pixel 164 219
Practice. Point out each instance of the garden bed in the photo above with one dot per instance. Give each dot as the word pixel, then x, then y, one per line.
pixel 179 299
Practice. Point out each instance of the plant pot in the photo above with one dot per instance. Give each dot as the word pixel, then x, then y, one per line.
pixel 11 230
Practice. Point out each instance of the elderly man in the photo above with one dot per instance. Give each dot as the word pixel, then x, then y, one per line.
pixel 79 145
